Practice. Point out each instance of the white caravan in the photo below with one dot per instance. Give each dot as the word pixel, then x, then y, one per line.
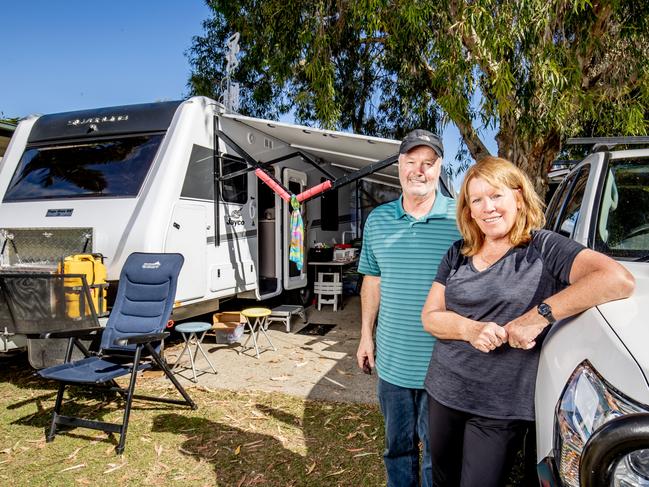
pixel 144 177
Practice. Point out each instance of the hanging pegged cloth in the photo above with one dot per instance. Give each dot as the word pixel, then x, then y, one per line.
pixel 296 250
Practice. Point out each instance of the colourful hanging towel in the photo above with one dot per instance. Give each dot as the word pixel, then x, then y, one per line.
pixel 296 250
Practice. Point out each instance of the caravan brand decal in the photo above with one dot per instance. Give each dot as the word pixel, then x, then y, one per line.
pixel 235 219
pixel 151 265
pixel 59 212
pixel 95 120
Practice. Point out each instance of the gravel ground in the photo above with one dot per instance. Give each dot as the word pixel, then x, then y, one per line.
pixel 315 367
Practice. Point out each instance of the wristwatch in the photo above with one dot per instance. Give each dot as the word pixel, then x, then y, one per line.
pixel 545 310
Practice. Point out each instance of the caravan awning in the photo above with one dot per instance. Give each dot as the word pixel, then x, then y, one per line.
pixel 341 149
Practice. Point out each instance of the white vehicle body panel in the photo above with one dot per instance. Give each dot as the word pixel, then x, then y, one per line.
pixel 586 337
pixel 613 338
pixel 159 219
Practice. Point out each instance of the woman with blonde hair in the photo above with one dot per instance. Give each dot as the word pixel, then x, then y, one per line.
pixel 495 294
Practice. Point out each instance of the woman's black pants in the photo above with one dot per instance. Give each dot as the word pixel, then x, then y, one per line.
pixel 469 450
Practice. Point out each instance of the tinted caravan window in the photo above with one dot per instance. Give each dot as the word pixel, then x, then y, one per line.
pixel 114 168
pixel 199 179
pixel 329 210
pixel 234 190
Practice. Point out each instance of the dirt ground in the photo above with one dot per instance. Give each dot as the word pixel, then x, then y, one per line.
pixel 315 367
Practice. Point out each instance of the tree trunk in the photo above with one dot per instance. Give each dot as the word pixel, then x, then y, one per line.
pixel 472 140
pixel 535 157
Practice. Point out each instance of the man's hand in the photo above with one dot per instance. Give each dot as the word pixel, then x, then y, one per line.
pixel 365 354
pixel 522 333
pixel 488 337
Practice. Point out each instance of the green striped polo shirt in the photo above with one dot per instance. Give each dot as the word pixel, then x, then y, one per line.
pixel 404 252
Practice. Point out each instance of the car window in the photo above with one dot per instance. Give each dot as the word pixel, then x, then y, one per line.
pixel 557 201
pixel 569 215
pixel 556 215
pixel 623 217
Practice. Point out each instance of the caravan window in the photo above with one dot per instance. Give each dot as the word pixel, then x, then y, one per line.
pixel 114 168
pixel 234 190
pixel 329 210
pixel 199 179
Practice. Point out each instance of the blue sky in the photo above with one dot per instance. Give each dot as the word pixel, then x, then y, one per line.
pixel 69 55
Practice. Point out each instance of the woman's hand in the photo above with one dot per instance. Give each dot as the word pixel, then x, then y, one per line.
pixel 522 334
pixel 488 336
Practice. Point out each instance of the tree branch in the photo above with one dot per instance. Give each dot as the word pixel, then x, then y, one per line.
pixel 463 122
pixel 472 140
pixel 596 33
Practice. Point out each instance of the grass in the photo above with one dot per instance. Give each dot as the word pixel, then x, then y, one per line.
pixel 234 439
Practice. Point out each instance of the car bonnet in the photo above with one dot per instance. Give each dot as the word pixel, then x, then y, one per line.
pixel 629 318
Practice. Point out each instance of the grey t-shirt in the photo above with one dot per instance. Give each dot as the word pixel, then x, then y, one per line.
pixel 499 384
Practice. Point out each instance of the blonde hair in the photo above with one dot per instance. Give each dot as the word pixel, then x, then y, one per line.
pixel 500 173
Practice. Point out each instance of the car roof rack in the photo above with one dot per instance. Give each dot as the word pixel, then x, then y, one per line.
pixel 607 143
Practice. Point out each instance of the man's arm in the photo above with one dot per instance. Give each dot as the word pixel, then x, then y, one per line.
pixel 370 299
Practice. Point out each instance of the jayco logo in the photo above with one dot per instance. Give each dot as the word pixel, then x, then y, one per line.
pixel 235 223
pixel 151 265
pixel 235 218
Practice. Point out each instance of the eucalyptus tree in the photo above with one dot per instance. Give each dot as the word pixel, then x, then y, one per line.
pixel 535 70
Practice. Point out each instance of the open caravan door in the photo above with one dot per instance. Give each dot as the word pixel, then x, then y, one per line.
pixel 296 183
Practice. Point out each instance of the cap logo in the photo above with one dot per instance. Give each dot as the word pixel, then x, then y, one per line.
pixel 424 137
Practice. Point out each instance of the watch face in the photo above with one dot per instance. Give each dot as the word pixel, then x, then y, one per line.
pixel 544 309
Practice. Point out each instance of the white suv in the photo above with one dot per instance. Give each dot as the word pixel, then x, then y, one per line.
pixel 594 368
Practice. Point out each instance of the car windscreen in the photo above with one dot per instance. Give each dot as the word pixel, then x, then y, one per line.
pixel 100 168
pixel 623 219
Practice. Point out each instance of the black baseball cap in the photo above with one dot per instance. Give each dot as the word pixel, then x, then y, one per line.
pixel 422 137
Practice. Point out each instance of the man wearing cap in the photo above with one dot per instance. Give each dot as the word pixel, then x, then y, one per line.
pixel 403 243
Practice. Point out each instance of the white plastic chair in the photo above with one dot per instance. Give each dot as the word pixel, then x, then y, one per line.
pixel 328 287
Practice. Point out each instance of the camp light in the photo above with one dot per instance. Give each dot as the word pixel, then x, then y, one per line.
pixel 587 403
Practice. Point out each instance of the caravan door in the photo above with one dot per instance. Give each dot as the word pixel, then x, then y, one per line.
pixel 238 225
pixel 295 182
pixel 187 235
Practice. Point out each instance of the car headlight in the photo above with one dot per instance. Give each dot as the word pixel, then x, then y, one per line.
pixel 587 403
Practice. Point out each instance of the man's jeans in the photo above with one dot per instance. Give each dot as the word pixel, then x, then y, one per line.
pixel 405 412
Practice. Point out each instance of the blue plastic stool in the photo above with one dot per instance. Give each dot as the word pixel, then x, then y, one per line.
pixel 193 333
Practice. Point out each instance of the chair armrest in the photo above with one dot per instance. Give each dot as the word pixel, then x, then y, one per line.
pixel 81 332
pixel 137 339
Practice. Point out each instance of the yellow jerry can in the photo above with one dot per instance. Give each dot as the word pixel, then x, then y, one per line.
pixel 93 268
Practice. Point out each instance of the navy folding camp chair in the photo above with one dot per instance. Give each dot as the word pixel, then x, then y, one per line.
pixel 130 342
